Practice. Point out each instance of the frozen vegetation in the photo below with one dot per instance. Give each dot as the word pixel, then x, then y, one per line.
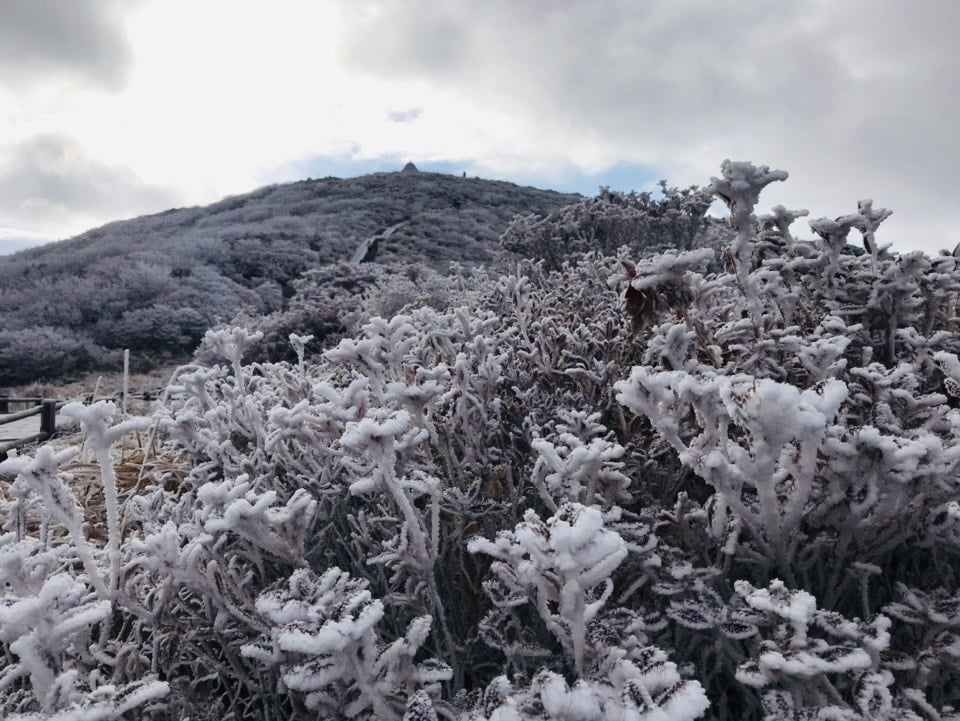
pixel 156 284
pixel 714 480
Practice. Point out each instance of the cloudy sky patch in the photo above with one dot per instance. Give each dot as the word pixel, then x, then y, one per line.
pixel 211 97
pixel 54 42
pixel 49 181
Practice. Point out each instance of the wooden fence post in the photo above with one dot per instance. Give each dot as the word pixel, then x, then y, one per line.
pixel 48 418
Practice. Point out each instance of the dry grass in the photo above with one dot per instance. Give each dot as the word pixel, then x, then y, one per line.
pixel 135 473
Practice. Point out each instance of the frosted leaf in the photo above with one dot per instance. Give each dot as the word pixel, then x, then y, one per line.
pixel 777 705
pixel 837 625
pixel 95 419
pixel 668 588
pixel 652 622
pixel 40 628
pixel 370 432
pixel 947 643
pixel 873 695
pixel 231 343
pixel 138 694
pixel 834 232
pixel 158 551
pixel 325 637
pixel 945 611
pixel 897 661
pixel 737 630
pixel 564 703
pixel 432 671
pixel 797 607
pixel 647 655
pixel 505 595
pixel 315 674
pixel 741 182
pixel 636 697
pixel 266 653
pixel 419 708
pixel 580 424
pixel 299 343
pixel 70 699
pixel 749 615
pixel 415 398
pixel 233 506
pixel 40 474
pixel 751 674
pixel 658 674
pixel 418 630
pixel 572 469
pixel 683 702
pixel 334 635
pixel 496 693
pixel 904 613
pixel 668 269
pixel 691 614
pixel 560 560
pixel 820 658
pixel 875 634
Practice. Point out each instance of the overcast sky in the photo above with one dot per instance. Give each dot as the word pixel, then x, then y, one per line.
pixel 115 108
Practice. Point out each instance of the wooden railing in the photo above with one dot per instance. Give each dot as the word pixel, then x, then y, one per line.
pixel 46 408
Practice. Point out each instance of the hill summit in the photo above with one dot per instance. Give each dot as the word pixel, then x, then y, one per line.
pixel 158 282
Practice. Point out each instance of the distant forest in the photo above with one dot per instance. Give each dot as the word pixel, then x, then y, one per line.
pixel 156 284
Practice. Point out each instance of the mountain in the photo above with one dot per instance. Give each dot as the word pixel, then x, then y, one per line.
pixel 446 218
pixel 157 283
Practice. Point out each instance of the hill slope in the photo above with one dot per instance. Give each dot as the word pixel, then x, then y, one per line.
pixel 448 218
pixel 158 282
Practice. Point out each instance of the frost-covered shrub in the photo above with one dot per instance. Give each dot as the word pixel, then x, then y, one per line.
pixel 58 597
pixel 155 329
pixel 337 299
pixel 328 627
pixel 42 352
pixel 673 486
pixel 639 684
pixel 609 221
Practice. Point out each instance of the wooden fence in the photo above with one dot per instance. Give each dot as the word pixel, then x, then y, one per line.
pixel 46 408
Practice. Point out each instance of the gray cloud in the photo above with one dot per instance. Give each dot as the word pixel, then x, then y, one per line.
pixel 78 39
pixel 52 177
pixel 856 99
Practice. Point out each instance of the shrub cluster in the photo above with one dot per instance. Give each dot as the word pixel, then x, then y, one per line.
pixel 664 487
pixel 677 220
pixel 156 284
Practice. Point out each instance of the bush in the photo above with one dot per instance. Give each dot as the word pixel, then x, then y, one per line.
pixel 640 489
pixel 610 221
pixel 44 352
